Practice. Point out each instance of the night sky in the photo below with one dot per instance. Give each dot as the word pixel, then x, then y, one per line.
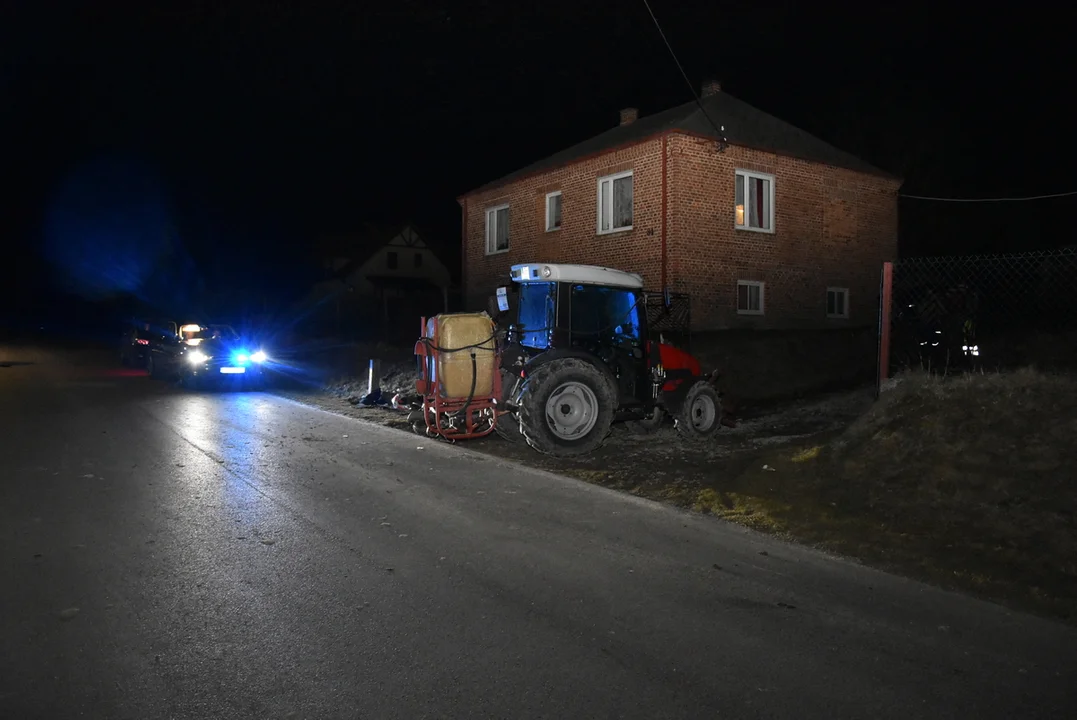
pixel 233 134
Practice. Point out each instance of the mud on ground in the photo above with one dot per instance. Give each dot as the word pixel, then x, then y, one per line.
pixel 660 465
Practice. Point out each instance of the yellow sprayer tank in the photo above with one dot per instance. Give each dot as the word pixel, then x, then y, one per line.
pixel 455 334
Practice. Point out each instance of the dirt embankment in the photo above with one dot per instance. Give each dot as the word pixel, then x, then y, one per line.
pixel 981 471
pixel 967 482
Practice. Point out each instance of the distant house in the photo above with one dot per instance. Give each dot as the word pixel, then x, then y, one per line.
pixel 379 275
pixel 762 224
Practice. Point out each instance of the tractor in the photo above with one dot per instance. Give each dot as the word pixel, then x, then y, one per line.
pixel 574 359
pixel 577 358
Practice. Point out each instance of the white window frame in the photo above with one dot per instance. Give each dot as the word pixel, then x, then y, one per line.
pixel 753 175
pixel 611 178
pixel 845 303
pixel 762 296
pixel 550 196
pixel 491 238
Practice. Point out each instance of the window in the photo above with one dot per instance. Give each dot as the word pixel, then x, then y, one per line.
pixel 615 203
pixel 392 260
pixel 537 302
pixel 605 314
pixel 837 302
pixel 553 211
pixel 754 205
pixel 418 262
pixel 750 297
pixel 497 229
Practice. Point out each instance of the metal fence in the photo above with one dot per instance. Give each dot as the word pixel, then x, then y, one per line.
pixel 672 319
pixel 953 314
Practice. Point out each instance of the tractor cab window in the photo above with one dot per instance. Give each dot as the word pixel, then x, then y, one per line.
pixel 605 313
pixel 537 302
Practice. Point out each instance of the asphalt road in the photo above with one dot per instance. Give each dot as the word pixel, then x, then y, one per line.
pixel 198 555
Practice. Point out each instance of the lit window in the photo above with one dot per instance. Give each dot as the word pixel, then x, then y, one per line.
pixel 837 302
pixel 754 204
pixel 553 211
pixel 615 203
pixel 750 297
pixel 497 229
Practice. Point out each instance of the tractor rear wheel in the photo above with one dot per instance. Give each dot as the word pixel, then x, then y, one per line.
pixel 700 417
pixel 566 408
pixel 508 424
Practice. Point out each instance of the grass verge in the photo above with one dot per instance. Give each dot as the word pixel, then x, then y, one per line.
pixel 968 483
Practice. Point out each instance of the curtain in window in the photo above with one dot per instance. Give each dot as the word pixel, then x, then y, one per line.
pixel 605 212
pixel 554 220
pixel 759 197
pixel 739 202
pixel 742 297
pixel 622 202
pixel 835 303
pixel 502 226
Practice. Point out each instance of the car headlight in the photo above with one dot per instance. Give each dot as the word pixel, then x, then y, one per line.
pixel 259 357
pixel 196 357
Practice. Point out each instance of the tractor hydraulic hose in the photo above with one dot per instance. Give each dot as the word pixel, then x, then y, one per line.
pixel 474 381
pixel 479 345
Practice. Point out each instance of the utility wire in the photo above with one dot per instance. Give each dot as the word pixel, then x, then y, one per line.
pixel 996 199
pixel 691 87
pixel 721 131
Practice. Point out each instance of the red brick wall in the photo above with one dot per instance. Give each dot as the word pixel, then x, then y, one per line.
pixel 833 227
pixel 577 241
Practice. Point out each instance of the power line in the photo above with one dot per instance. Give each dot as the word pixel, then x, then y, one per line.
pixel 721 130
pixel 996 199
pixel 691 87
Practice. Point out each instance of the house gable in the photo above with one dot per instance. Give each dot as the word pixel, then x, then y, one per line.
pixel 405 256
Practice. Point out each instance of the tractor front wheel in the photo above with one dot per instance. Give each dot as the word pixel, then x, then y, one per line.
pixel 700 417
pixel 566 408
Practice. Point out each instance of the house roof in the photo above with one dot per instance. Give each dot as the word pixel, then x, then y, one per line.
pixel 364 244
pixel 744 125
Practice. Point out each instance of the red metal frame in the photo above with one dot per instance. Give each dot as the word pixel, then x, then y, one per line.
pixel 479 415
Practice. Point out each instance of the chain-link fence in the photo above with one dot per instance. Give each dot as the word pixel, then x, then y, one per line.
pixel 672 319
pixel 992 312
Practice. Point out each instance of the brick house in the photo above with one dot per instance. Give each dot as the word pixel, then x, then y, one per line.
pixel 376 279
pixel 767 227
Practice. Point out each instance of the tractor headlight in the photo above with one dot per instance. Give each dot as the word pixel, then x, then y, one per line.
pixel 197 357
pixel 259 357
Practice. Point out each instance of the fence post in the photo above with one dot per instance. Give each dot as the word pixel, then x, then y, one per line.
pixel 373 378
pixel 886 307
